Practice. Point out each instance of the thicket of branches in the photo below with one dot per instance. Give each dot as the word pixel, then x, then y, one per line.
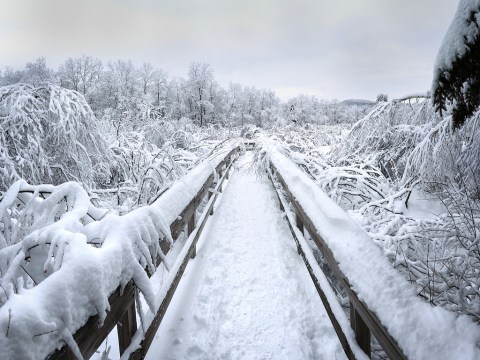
pixel 402 148
pixel 48 135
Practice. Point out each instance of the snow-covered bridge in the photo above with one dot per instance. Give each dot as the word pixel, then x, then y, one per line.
pixel 235 286
pixel 246 295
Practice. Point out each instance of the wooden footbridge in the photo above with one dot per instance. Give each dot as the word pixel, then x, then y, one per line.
pixel 368 321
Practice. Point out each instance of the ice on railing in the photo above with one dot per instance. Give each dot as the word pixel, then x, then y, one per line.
pixel 421 330
pixel 62 265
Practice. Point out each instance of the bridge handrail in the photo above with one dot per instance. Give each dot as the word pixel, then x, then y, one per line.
pixel 404 325
pixel 179 213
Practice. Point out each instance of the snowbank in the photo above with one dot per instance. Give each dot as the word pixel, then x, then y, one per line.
pixel 421 331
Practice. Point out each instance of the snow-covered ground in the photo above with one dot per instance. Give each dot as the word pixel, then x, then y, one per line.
pixel 247 295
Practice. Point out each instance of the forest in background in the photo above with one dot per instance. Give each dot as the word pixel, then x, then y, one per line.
pixel 136 111
pixel 119 92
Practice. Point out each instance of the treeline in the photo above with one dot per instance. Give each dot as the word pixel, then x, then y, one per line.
pixel 123 94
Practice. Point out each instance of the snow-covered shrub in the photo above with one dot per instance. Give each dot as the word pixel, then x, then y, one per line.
pixel 148 160
pixel 445 156
pixel 417 150
pixel 389 133
pixel 159 174
pixel 401 148
pixel 48 135
pixel 350 182
pixel 158 132
pixel 249 131
pixel 438 253
pixel 61 258
pixel 353 185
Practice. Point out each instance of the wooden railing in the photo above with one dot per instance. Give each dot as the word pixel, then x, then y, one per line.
pixel 363 321
pixel 123 305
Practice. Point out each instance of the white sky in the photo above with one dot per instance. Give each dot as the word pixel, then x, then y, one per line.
pixel 329 48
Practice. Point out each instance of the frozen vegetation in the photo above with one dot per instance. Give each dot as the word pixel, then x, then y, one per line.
pixel 97 160
pixel 413 184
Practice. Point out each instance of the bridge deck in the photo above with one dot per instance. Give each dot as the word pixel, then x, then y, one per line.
pixel 247 295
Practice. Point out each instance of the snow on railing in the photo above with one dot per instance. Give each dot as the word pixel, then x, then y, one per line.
pixel 89 270
pixel 382 302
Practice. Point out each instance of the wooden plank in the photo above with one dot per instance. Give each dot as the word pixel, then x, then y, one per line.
pixel 89 337
pixel 386 341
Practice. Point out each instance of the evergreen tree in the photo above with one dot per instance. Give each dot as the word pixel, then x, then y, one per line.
pixel 457 71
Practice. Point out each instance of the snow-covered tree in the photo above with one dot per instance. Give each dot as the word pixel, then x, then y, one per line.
pixel 80 74
pixel 49 135
pixel 37 73
pixel 200 79
pixel 382 98
pixel 456 79
pixel 10 76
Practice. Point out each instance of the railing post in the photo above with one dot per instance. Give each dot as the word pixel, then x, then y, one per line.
pixel 362 332
pixel 299 222
pixel 127 326
pixel 220 176
pixel 210 194
pixel 190 228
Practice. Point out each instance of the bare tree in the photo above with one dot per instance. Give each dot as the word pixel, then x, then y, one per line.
pixel 37 73
pixel 200 76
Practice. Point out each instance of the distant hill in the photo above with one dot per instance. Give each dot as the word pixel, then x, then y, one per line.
pixel 357 102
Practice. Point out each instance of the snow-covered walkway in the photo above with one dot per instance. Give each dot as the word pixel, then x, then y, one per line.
pixel 247 295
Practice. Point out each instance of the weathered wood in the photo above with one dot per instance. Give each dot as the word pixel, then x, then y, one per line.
pixel 362 333
pixel 126 327
pixel 299 223
pixel 190 228
pixel 210 194
pixel 386 341
pixel 89 337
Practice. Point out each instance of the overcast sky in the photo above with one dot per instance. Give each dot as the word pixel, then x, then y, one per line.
pixel 331 49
